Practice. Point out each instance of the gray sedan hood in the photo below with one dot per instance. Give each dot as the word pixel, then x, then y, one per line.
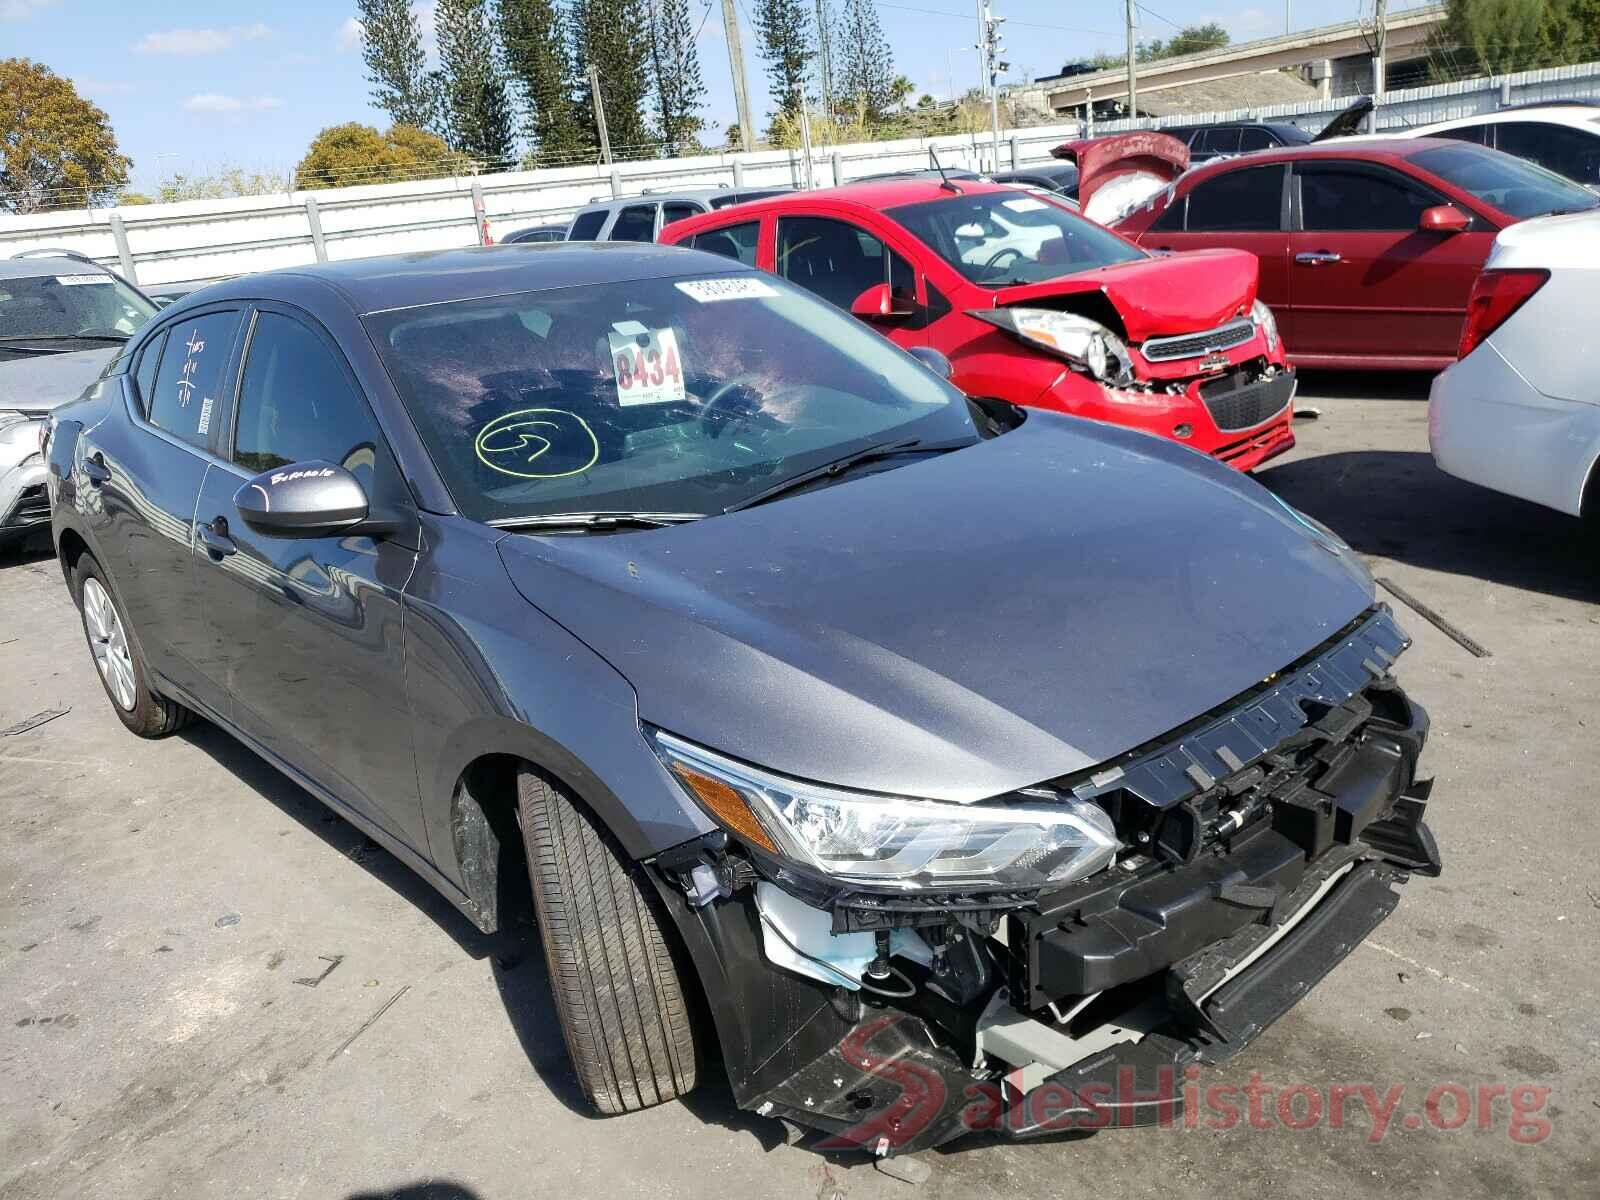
pixel 960 626
pixel 41 382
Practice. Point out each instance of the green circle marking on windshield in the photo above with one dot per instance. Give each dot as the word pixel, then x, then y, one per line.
pixel 514 442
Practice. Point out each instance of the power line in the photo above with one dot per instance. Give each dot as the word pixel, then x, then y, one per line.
pixel 967 17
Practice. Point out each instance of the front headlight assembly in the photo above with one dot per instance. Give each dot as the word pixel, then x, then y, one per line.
pixel 1087 345
pixel 1267 323
pixel 893 841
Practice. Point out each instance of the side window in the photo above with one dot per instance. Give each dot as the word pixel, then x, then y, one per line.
pixel 1219 141
pixel 1238 201
pixel 188 381
pixel 636 223
pixel 678 210
pixel 838 261
pixel 296 403
pixel 1333 198
pixel 1569 152
pixel 1255 139
pixel 586 226
pixel 731 241
pixel 1476 134
pixel 1171 218
pixel 144 376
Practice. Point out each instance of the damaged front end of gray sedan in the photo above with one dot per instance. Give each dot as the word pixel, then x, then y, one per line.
pixel 1057 961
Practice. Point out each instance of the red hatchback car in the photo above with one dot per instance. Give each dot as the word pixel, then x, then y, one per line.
pixel 1368 247
pixel 1034 304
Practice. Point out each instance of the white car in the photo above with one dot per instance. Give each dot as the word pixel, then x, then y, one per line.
pixel 1564 138
pixel 1519 412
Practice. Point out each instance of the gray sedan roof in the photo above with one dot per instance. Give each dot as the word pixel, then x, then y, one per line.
pixel 55 264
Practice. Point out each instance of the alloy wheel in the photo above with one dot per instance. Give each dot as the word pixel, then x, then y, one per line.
pixel 108 641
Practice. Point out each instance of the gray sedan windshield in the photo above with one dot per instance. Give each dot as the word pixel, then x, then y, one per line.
pixel 71 303
pixel 658 395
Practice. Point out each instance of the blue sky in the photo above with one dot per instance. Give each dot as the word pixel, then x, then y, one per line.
pixel 193 87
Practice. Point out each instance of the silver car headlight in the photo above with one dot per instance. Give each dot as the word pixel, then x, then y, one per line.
pixel 895 841
pixel 1085 344
pixel 1267 323
pixel 19 436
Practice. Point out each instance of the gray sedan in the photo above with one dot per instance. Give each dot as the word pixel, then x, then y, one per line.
pixel 888 748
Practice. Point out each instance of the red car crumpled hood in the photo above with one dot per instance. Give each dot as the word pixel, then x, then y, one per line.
pixel 1179 293
pixel 1122 159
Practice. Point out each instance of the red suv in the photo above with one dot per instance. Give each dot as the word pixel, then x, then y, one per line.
pixel 1034 304
pixel 1368 247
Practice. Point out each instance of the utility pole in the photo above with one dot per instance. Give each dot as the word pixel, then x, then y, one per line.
pixel 599 113
pixel 1288 21
pixel 1379 36
pixel 1132 17
pixel 990 50
pixel 741 86
pixel 824 58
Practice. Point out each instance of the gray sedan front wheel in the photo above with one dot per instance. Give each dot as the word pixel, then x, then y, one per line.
pixel 118 659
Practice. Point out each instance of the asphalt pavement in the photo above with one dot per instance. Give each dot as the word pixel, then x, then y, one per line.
pixel 212 987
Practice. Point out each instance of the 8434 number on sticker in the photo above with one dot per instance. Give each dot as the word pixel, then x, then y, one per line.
pixel 647 367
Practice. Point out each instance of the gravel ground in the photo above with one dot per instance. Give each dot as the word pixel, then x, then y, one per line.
pixel 189 943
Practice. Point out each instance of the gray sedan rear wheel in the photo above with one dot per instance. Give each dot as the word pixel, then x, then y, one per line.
pixel 119 660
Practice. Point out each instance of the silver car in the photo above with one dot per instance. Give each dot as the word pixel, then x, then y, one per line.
pixel 62 318
pixel 641 218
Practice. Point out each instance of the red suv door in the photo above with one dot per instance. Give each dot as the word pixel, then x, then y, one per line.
pixel 1364 280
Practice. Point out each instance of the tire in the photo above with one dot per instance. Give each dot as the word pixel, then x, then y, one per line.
pixel 621 1000
pixel 118 659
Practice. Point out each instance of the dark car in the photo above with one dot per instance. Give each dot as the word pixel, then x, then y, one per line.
pixel 1226 140
pixel 837 720
pixel 536 233
pixel 1058 177
pixel 1369 247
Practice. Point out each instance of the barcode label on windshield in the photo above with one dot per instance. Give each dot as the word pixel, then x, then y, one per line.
pixel 707 291
pixel 76 280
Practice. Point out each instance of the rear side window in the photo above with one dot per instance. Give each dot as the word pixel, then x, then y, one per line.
pixel 192 375
pixel 679 210
pixel 586 226
pixel 636 223
pixel 1255 139
pixel 1219 141
pixel 1332 198
pixel 296 404
pixel 1239 201
pixel 1569 152
pixel 144 377
pixel 733 241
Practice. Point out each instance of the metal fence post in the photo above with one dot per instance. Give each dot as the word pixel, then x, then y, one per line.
pixel 616 184
pixel 1015 158
pixel 837 165
pixel 119 234
pixel 480 222
pixel 738 174
pixel 1505 93
pixel 314 220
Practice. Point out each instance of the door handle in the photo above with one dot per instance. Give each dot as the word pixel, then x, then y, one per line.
pixel 95 469
pixel 1315 258
pixel 215 537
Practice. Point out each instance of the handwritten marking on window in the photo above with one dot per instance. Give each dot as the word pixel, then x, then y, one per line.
pixel 514 442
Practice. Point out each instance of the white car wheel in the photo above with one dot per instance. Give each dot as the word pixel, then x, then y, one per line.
pixel 108 641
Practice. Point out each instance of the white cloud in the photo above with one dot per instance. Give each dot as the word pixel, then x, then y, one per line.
pixel 216 102
pixel 21 10
pixel 199 41
pixel 349 35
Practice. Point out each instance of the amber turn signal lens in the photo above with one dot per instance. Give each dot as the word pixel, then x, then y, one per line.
pixel 726 805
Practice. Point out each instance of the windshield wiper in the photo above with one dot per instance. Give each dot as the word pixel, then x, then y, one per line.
pixel 842 464
pixel 65 337
pixel 596 520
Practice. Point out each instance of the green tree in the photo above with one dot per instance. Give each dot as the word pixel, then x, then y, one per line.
pixel 865 73
pixel 1191 39
pixel 613 36
pixel 397 65
pixel 539 59
pixel 1497 36
pixel 344 155
pixel 56 149
pixel 477 109
pixel 680 91
pixel 784 30
pixel 221 184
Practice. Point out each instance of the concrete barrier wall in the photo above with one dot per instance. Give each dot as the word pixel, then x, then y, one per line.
pixel 209 239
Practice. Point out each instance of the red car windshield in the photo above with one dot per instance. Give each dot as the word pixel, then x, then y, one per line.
pixel 1513 185
pixel 1003 238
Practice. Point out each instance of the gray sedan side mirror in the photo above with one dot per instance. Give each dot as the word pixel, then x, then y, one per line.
pixel 933 360
pixel 308 499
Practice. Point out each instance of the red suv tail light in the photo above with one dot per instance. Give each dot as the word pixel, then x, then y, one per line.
pixel 1495 296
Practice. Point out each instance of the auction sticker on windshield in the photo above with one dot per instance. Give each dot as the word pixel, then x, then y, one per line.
pixel 647 365
pixel 706 291
pixel 76 280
